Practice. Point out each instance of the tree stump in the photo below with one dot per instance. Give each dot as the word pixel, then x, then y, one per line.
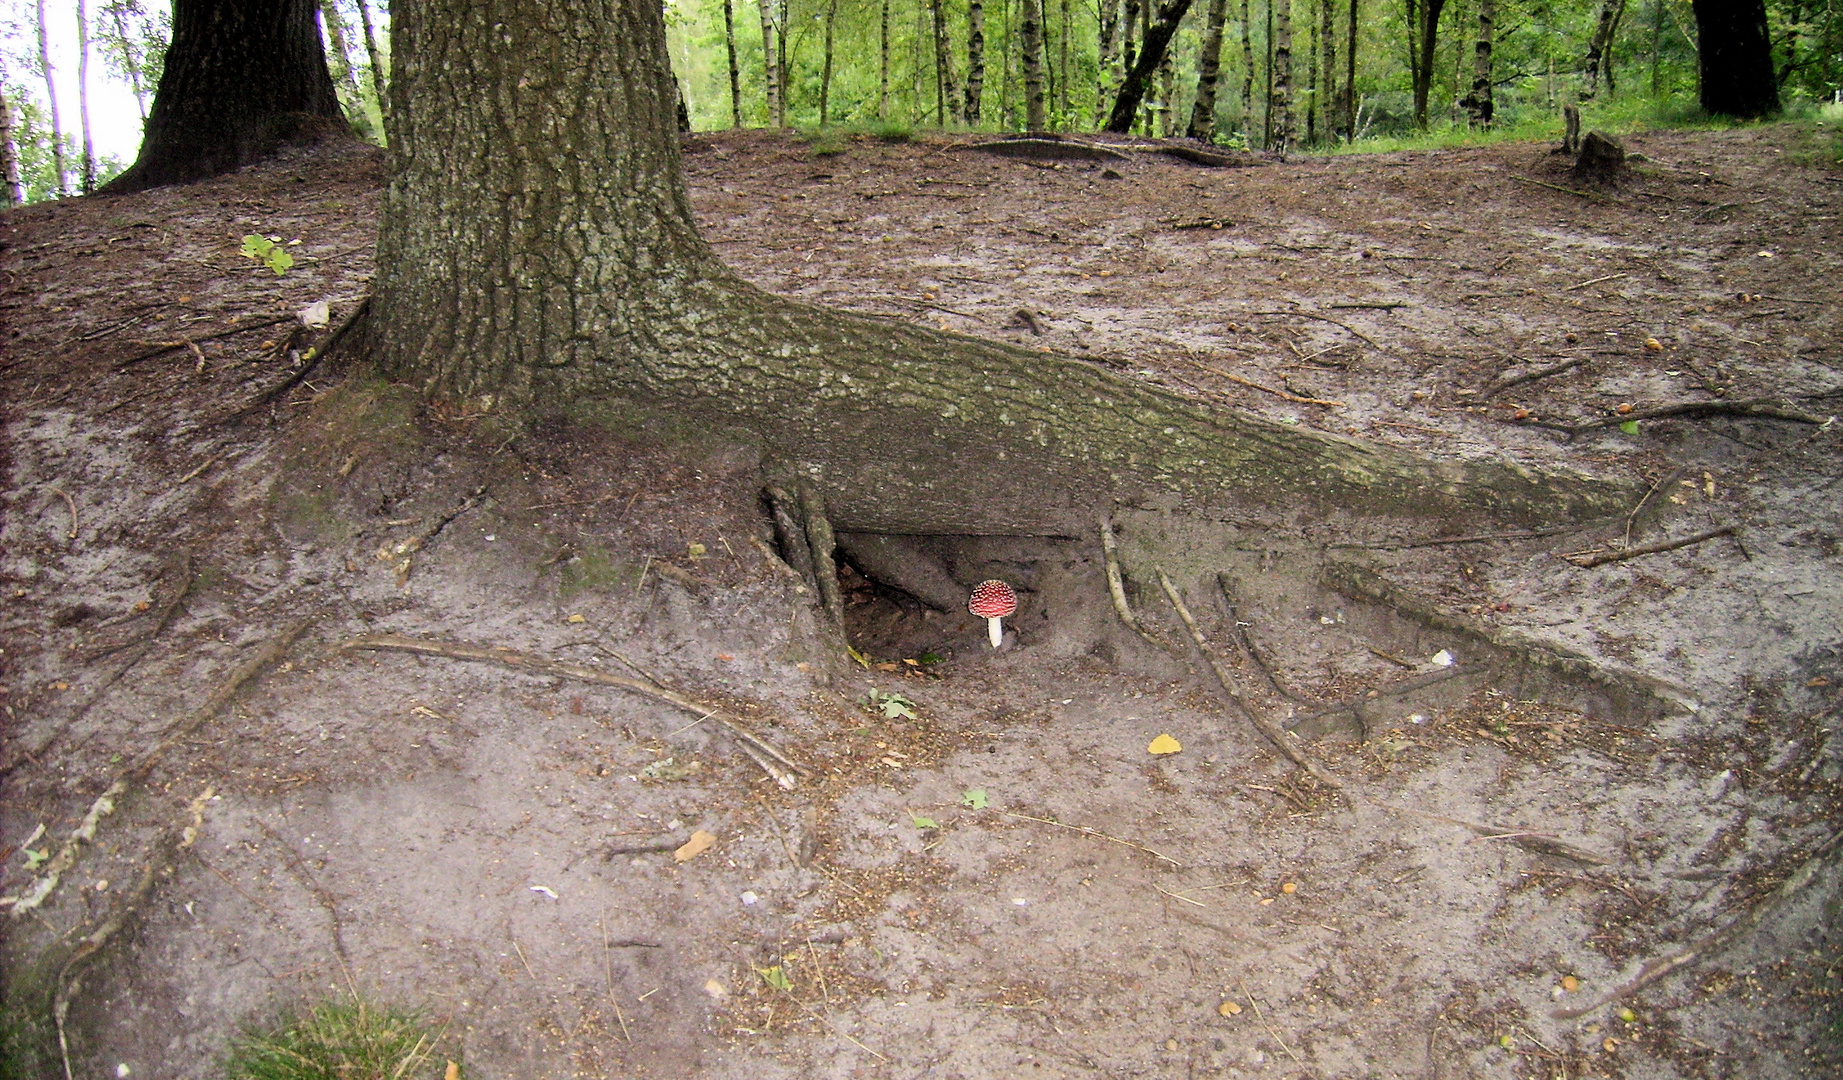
pixel 1601 160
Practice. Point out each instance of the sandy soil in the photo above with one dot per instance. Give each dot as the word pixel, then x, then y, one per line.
pixel 988 875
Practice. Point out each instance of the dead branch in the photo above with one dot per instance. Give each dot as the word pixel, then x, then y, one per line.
pixel 1653 970
pixel 1545 843
pixel 1097 834
pixel 1589 561
pixel 782 768
pixel 136 773
pixel 402 554
pixel 1227 586
pixel 1588 195
pixel 1262 723
pixel 1778 410
pixel 160 347
pixel 1116 585
pixel 1506 382
pixel 1390 305
pixel 306 364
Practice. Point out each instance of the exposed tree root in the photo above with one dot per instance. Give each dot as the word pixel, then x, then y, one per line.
pixel 1506 382
pixel 1708 945
pixel 1768 407
pixel 782 768
pixel 1604 557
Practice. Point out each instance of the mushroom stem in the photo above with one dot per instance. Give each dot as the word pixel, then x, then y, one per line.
pixel 995 631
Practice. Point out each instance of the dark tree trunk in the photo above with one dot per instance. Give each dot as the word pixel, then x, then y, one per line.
pixel 1328 100
pixel 1479 104
pixel 1598 61
pixel 1107 54
pixel 825 77
pixel 1350 75
pixel 1151 55
pixel 975 59
pixel 729 45
pixel 1424 31
pixel 1736 60
pixel 530 266
pixel 241 79
pixel 943 66
pixel 1247 72
pixel 1030 32
pixel 1209 72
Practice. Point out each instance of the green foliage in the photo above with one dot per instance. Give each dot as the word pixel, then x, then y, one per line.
pixel 775 977
pixel 891 706
pixel 268 250
pixel 974 798
pixel 347 1039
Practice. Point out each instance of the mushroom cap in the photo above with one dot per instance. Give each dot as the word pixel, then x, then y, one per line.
pixel 992 600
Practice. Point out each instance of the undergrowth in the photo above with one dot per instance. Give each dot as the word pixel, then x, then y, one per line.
pixel 346 1039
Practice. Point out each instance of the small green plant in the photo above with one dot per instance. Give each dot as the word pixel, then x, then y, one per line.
pixel 348 1039
pixel 269 251
pixel 892 131
pixel 891 706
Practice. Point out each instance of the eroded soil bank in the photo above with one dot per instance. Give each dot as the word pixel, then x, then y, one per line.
pixel 984 872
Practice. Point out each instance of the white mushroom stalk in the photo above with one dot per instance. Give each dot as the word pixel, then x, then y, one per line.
pixel 993 601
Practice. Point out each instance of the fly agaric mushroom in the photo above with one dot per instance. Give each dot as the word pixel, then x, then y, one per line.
pixel 993 601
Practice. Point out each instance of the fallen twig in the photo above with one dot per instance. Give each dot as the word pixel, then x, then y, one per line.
pixel 1353 331
pixel 1227 586
pixel 1251 384
pixel 1252 1000
pixel 160 347
pixel 1778 410
pixel 782 768
pixel 1595 281
pixel 1604 557
pixel 1116 585
pixel 1588 195
pixel 71 505
pixel 1653 970
pixel 1390 305
pixel 1546 843
pixel 1262 723
pixel 308 361
pixel 1506 382
pixel 402 554
pixel 1097 834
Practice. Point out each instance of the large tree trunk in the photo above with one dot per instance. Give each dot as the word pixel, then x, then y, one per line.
pixel 528 265
pixel 975 59
pixel 1736 61
pixel 1209 72
pixel 1151 55
pixel 1479 104
pixel 943 66
pixel 1030 32
pixel 242 78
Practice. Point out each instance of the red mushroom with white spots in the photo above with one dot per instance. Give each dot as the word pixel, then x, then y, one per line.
pixel 993 601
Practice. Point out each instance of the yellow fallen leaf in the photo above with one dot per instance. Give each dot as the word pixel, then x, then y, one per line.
pixel 1653 345
pixel 453 1072
pixel 1228 1008
pixel 1289 888
pixel 577 619
pixel 698 844
pixel 1610 1045
pixel 1570 983
pixel 1628 1016
pixel 1164 744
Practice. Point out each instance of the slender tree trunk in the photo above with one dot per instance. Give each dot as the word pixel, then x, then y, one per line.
pixel 1145 31
pixel 883 63
pixel 1424 26
pixel 1030 32
pixel 130 56
pixel 1209 71
pixel 242 78
pixel 380 78
pixel 1129 39
pixel 1267 95
pixel 771 67
pixel 1065 118
pixel 62 185
pixel 1349 76
pixel 1479 104
pixel 1736 59
pixel 1599 48
pixel 1151 55
pixel 825 77
pixel 943 66
pixel 1106 55
pixel 11 194
pixel 1311 80
pixel 1328 100
pixel 729 47
pixel 1283 76
pixel 1247 72
pixel 339 57
pixel 975 60
pixel 87 179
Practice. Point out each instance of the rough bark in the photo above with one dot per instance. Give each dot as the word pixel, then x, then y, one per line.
pixel 241 79
pixel 975 59
pixel 1151 55
pixel 1479 104
pixel 1247 71
pixel 729 46
pixel 544 259
pixel 51 94
pixel 1423 39
pixel 1030 33
pixel 1209 72
pixel 1599 48
pixel 1736 59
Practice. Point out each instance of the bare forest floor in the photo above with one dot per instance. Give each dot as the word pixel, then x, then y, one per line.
pixel 988 874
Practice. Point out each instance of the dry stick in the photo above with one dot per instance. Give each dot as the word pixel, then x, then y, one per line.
pixel 1595 281
pixel 608 967
pixel 1779 410
pixel 1110 550
pixel 1251 384
pixel 137 770
pixel 71 505
pixel 1504 384
pixel 1651 549
pixel 1663 480
pixel 1227 586
pixel 1097 834
pixel 1263 1018
pixel 1542 842
pixel 168 346
pixel 1324 318
pixel 309 360
pixel 782 768
pixel 1653 970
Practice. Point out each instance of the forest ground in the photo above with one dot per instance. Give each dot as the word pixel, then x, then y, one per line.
pixel 989 876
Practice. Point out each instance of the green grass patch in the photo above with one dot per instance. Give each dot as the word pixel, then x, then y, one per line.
pixel 347 1039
